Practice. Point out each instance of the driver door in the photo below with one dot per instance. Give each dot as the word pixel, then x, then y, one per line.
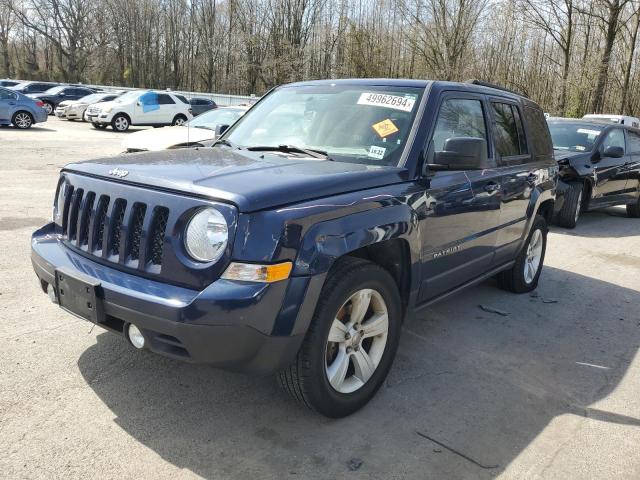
pixel 610 178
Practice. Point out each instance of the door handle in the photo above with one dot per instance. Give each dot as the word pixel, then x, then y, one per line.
pixel 491 187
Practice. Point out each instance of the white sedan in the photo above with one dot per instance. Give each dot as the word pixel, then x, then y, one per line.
pixel 201 131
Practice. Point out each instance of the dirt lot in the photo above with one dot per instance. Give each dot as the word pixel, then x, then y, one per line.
pixel 549 391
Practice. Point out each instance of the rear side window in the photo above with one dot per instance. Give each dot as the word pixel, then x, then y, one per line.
pixel 183 99
pixel 539 137
pixel 509 132
pixel 7 95
pixel 633 142
pixel 459 117
pixel 164 99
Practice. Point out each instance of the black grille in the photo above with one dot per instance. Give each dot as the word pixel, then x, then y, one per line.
pixel 135 231
pixel 105 227
pixel 158 227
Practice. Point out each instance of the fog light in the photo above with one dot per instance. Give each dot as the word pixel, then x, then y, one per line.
pixel 52 293
pixel 135 336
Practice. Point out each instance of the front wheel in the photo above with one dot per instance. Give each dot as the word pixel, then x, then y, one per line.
pixel 351 342
pixel 525 273
pixel 572 206
pixel 120 123
pixel 22 120
pixel 48 107
pixel 633 209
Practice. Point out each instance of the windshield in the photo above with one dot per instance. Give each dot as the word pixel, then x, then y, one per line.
pixel 126 97
pixel 574 137
pixel 220 116
pixel 350 123
pixel 53 91
pixel 92 98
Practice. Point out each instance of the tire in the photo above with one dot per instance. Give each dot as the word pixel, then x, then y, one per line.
pixel 573 201
pixel 98 126
pixel 633 209
pixel 524 275
pixel 48 107
pixel 306 379
pixel 22 120
pixel 179 120
pixel 120 123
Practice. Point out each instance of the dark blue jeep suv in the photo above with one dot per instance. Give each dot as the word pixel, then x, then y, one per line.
pixel 299 241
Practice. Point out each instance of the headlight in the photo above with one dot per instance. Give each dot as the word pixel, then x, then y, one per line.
pixel 107 110
pixel 206 235
pixel 58 204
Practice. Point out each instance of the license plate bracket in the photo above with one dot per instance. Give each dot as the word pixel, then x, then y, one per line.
pixel 79 294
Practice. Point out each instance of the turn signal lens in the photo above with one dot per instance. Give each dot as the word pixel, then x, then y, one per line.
pixel 249 272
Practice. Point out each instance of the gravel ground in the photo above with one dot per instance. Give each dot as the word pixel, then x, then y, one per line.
pixel 549 391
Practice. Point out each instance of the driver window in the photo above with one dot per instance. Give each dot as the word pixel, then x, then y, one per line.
pixel 615 138
pixel 459 118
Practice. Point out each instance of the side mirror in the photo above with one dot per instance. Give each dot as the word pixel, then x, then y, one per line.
pixel 220 129
pixel 613 152
pixel 61 94
pixel 461 153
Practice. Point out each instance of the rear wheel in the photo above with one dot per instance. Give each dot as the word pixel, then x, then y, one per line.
pixel 179 120
pixel 633 209
pixel 523 276
pixel 572 206
pixel 120 123
pixel 22 120
pixel 351 342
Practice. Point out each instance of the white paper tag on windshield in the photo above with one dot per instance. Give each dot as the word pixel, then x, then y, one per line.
pixel 594 133
pixel 396 102
pixel 376 152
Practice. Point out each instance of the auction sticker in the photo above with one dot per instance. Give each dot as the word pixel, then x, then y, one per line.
pixel 376 152
pixel 385 128
pixel 396 102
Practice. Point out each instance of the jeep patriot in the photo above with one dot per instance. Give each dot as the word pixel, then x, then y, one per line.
pixel 298 243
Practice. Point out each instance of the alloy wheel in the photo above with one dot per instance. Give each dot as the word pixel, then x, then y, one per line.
pixel 121 124
pixel 22 120
pixel 48 108
pixel 534 256
pixel 179 121
pixel 356 341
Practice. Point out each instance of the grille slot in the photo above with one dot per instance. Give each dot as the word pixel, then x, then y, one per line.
pixel 85 219
pixel 99 221
pixel 116 226
pixel 158 228
pixel 135 231
pixel 72 220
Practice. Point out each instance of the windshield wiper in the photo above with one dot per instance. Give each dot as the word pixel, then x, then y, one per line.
pixel 202 126
pixel 311 152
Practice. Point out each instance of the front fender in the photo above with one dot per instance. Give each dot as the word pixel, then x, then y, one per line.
pixel 327 241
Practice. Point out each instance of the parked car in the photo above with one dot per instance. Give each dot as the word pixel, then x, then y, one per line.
pixel 201 131
pixel 300 240
pixel 52 97
pixel 33 87
pixel 8 83
pixel 75 109
pixel 140 108
pixel 621 119
pixel 599 167
pixel 19 110
pixel 201 105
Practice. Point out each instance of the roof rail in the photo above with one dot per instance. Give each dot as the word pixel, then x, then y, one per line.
pixel 482 83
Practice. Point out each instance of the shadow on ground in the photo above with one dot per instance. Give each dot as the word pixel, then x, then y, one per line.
pixel 468 392
pixel 590 224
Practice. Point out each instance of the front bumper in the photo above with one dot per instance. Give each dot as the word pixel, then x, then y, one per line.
pixel 235 325
pixel 60 112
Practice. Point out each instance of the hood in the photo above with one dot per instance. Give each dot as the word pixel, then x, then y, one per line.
pixel 162 138
pixel 250 180
pixel 565 156
pixel 67 103
pixel 104 105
